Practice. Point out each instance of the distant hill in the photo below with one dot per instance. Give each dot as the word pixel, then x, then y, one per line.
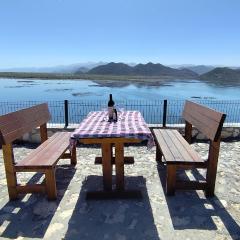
pixel 200 69
pixel 72 68
pixel 149 69
pixel 112 69
pixel 222 75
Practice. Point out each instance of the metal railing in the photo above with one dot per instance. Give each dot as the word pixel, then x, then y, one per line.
pixel 159 112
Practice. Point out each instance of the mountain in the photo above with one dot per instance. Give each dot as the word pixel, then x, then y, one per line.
pixel 149 69
pixel 112 69
pixel 72 68
pixel 82 70
pixel 200 69
pixel 222 75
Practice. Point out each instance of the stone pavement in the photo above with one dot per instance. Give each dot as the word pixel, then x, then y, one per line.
pixel 187 215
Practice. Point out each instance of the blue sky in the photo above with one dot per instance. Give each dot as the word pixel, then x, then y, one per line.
pixel 53 32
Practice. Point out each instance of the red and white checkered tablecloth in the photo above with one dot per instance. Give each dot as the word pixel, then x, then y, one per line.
pixel 130 124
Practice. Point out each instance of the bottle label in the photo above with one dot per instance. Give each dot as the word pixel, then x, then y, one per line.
pixel 110 112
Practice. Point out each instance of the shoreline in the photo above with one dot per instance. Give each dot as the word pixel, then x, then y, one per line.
pixel 114 79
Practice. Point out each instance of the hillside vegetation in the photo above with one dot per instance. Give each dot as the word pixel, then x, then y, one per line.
pixel 222 76
pixel 149 69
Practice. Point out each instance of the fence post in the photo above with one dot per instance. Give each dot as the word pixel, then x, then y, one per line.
pixel 66 112
pixel 164 113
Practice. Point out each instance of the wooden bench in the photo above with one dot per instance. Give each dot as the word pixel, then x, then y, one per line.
pixel 178 154
pixel 42 159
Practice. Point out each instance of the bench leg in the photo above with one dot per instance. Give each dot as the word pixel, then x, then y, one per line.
pixel 119 156
pixel 51 184
pixel 74 156
pixel 158 154
pixel 107 166
pixel 171 179
pixel 10 171
pixel 212 168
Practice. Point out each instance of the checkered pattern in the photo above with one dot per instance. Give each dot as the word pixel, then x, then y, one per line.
pixel 130 124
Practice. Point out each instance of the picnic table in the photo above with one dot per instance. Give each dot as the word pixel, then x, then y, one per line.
pixel 95 129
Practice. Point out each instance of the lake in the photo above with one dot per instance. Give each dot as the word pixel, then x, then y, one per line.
pixel 87 95
pixel 23 89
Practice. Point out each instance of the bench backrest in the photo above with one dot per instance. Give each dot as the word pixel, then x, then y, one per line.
pixel 206 120
pixel 14 125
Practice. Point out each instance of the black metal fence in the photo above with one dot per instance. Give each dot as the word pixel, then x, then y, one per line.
pixel 160 112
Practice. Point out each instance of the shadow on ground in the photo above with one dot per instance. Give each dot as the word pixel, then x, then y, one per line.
pixel 112 219
pixel 31 215
pixel 190 211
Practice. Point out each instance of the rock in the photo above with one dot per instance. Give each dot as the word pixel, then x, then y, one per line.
pixel 181 221
pixel 236 132
pixel 66 214
pixel 226 134
pixel 26 137
pixel 7 209
pixel 53 228
pixel 35 138
pixel 221 203
pixel 133 224
pixel 120 237
pixel 118 216
pixel 200 136
pixel 44 208
pixel 50 133
pixel 194 132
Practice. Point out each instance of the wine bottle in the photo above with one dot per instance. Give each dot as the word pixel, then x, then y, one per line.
pixel 110 108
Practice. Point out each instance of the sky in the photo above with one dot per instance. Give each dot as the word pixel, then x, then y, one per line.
pixel 60 32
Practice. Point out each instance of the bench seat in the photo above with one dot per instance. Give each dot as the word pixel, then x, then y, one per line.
pixel 175 149
pixel 47 154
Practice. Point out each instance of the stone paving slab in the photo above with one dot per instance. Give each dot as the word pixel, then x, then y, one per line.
pixel 187 215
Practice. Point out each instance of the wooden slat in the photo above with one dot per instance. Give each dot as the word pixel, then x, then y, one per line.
pixel 66 156
pixel 127 160
pixel 163 145
pixel 192 154
pixel 206 111
pixel 36 152
pixel 183 152
pixel 206 120
pixel 108 140
pixel 172 147
pixel 191 185
pixel 31 188
pixel 14 125
pixel 175 148
pixel 48 153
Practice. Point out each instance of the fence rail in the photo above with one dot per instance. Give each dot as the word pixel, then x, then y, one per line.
pixel 160 112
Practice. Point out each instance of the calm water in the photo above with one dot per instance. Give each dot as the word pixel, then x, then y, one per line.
pixel 22 89
pixel 93 95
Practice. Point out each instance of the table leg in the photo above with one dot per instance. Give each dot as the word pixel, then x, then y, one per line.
pixel 119 158
pixel 107 166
